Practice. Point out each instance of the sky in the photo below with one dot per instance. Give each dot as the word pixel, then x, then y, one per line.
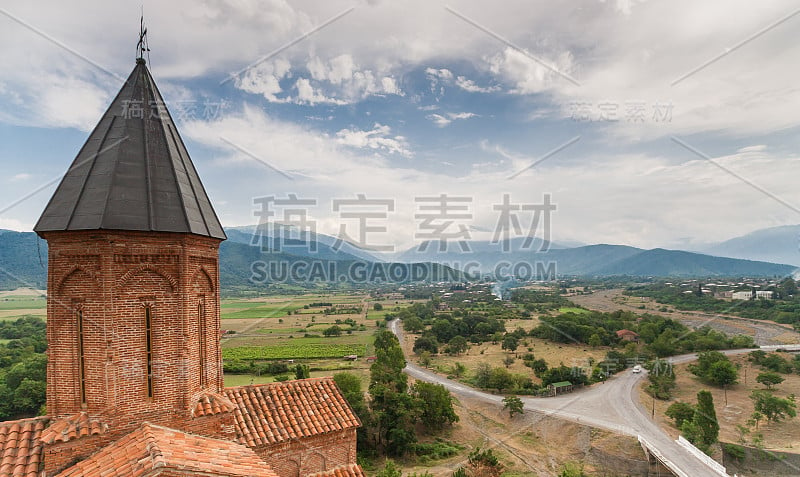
pixel 646 123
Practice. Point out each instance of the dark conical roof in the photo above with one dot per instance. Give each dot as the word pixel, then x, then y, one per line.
pixel 133 173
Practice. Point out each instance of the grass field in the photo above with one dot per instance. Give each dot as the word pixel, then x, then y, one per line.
pixel 573 309
pixel 276 328
pixel 18 303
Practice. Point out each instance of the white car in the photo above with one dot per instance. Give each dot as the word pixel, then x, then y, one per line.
pixel 637 369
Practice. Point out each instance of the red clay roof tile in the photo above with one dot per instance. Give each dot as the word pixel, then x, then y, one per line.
pixel 210 403
pixel 71 427
pixel 350 470
pixel 152 449
pixel 20 447
pixel 271 413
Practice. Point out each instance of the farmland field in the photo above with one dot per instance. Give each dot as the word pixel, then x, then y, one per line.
pixel 293 351
pixel 279 328
pixel 23 302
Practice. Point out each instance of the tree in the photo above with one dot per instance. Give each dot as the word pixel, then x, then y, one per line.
pixel 538 366
pixel 480 463
pixel 390 469
pixel 692 433
pixel 662 379
pixel 29 397
pixel 756 356
pixel 772 407
pixel 426 343
pixel 572 469
pixel 393 408
pixel 769 379
pixel 457 345
pixel 350 386
pixel 302 371
pixel 483 375
pixel 458 370
pixel 755 418
pixel 425 359
pixel 508 361
pixel 514 405
pixel 722 373
pixel 413 324
pixel 443 330
pixel 510 343
pixel 436 404
pixel 704 362
pixel 334 330
pixel 501 379
pixel 705 417
pixel 680 412
pixel 377 307
pixel 595 341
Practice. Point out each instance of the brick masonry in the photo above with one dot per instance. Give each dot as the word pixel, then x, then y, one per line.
pixel 110 277
pixel 310 455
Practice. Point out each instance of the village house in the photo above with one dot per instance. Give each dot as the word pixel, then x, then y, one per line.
pixel 628 335
pixel 134 373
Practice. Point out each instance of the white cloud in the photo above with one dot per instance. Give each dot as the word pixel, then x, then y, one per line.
pixel 265 79
pixel 445 120
pixel 378 138
pixel 23 176
pixel 439 120
pixel 469 85
pixel 528 76
pixel 307 94
pixel 440 77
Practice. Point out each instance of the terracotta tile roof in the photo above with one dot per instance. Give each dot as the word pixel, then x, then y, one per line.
pixel 211 403
pixel 20 447
pixel 152 449
pixel 270 413
pixel 350 470
pixel 71 427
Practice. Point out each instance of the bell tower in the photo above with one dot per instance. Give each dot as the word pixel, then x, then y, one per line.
pixel 133 281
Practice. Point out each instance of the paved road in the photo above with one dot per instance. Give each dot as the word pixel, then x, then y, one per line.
pixel 613 405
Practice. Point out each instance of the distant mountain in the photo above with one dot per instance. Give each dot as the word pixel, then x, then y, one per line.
pixel 677 263
pixel 484 250
pixel 287 240
pixel 23 263
pixel 23 260
pixel 774 244
pixel 605 260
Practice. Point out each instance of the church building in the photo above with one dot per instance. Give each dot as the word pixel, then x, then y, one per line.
pixel 134 373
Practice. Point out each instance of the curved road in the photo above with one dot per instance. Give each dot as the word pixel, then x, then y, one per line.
pixel 613 405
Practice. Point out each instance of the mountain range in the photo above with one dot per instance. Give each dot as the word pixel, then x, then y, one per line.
pixel 768 252
pixel 775 244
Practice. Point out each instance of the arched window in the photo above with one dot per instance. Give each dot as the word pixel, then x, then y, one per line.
pixel 148 329
pixel 81 356
pixel 201 317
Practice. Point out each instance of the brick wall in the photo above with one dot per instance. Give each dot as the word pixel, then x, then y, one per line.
pixel 110 277
pixel 61 455
pixel 310 455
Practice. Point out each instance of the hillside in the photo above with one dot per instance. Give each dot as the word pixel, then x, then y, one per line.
pixel 23 260
pixel 676 263
pixel 774 244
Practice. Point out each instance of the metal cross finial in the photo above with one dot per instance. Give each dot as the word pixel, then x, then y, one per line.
pixel 142 46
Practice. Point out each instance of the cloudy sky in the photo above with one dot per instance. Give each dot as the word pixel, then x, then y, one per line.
pixel 648 123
